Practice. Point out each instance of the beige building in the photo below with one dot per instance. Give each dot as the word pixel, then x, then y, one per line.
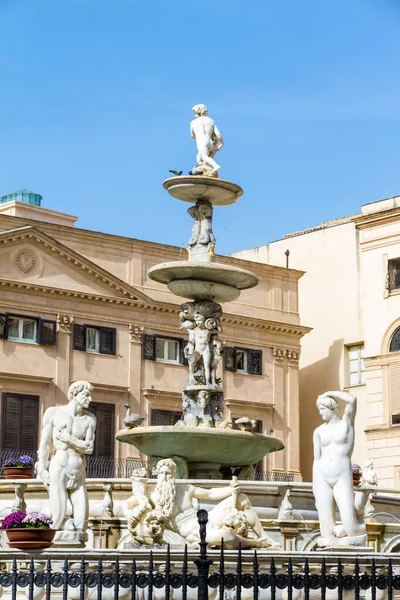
pixel 78 304
pixel 350 296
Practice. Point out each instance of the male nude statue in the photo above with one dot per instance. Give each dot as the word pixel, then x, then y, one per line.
pixel 207 136
pixel 179 505
pixel 332 473
pixel 70 431
pixel 198 347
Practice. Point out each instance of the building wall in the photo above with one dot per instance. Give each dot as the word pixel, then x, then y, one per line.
pixel 330 303
pixel 343 296
pixel 81 277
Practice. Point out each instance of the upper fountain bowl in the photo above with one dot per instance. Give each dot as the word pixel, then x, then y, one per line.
pixel 191 188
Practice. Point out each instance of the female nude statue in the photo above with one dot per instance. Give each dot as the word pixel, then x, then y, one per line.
pixel 332 473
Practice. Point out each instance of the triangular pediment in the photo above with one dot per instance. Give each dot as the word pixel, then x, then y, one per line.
pixel 33 257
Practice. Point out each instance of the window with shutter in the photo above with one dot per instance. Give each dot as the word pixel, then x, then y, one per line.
pixel 254 362
pixel 3 327
pixel 47 332
pixel 394 387
pixel 20 422
pixel 107 340
pixel 79 337
pixel 165 417
pixel 148 346
pixel 229 358
pixel 104 438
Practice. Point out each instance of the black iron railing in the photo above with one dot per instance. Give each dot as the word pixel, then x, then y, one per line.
pixel 202 577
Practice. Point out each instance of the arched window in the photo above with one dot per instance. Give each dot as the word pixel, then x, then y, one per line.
pixel 395 341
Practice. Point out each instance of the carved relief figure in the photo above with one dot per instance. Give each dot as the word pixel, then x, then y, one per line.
pixel 233 519
pixel 332 472
pixel 203 350
pixel 69 432
pixel 208 140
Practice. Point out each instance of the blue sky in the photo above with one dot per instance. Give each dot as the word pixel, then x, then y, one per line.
pixel 96 100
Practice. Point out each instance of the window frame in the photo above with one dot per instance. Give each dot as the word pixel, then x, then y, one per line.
pixel 393 275
pixel 20 397
pixel 361 362
pixel 21 319
pixel 149 348
pixel 230 353
pixel 165 341
pixel 45 329
pixel 81 330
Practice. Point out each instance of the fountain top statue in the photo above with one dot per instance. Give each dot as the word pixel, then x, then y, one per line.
pixel 208 140
pixel 202 185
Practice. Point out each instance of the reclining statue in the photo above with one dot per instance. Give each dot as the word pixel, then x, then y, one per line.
pixel 175 507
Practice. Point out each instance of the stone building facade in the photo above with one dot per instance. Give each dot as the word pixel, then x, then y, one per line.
pixel 350 296
pixel 78 304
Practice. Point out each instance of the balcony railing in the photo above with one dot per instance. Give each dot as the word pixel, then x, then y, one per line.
pixel 104 467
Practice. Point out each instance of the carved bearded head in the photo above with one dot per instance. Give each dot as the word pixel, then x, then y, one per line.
pixel 165 488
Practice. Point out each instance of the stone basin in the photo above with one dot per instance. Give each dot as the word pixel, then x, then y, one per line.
pixel 202 446
pixel 199 280
pixel 191 188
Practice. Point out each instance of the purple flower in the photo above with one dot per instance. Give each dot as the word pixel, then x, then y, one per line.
pixel 32 520
pixel 13 520
pixel 27 460
pixel 22 461
pixel 356 469
pixel 37 520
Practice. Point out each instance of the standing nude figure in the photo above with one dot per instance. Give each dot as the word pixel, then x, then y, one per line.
pixel 70 431
pixel 332 473
pixel 208 138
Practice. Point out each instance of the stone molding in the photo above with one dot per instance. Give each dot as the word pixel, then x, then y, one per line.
pixel 279 354
pixel 32 234
pixel 64 322
pixel 135 333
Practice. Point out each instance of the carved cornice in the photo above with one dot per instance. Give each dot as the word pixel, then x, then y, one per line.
pixel 276 326
pixel 64 323
pixel 135 333
pixel 158 307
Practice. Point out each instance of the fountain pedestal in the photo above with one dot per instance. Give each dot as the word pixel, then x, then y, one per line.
pixel 203 441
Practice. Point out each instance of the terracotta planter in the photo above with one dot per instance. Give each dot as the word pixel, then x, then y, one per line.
pixel 18 472
pixel 356 478
pixel 30 539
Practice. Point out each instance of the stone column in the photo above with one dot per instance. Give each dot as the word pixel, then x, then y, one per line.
pixel 292 440
pixel 277 459
pixel 135 398
pixel 63 363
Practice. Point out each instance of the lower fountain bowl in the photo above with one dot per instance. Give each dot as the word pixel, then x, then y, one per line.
pixel 219 447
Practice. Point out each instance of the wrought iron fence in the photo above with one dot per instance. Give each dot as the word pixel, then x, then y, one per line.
pixel 203 578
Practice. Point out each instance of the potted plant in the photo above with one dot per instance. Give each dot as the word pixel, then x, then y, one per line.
pixel 357 472
pixel 28 531
pixel 19 468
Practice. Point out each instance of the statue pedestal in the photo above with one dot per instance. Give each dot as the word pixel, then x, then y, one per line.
pixel 349 542
pixel 74 539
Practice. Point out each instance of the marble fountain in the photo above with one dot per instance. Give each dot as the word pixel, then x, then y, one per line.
pixel 202 441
